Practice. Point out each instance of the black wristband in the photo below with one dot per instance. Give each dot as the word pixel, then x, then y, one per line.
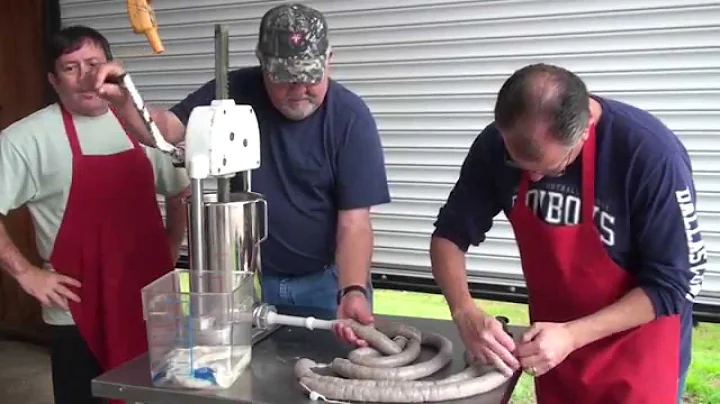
pixel 349 289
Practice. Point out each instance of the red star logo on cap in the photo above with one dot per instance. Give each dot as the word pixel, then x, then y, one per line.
pixel 295 38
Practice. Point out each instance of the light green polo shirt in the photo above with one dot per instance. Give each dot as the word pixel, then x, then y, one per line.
pixel 36 170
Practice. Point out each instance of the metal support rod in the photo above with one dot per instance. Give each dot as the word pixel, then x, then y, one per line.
pixel 197 222
pixel 245 175
pixel 197 245
pixel 221 62
pixel 223 190
pixel 222 92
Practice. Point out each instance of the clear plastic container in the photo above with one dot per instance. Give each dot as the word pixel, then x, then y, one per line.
pixel 200 339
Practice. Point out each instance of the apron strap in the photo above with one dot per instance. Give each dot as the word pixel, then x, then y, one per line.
pixel 70 131
pixel 134 141
pixel 588 177
pixel 72 135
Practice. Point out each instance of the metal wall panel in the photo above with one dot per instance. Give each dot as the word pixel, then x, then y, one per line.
pixel 429 70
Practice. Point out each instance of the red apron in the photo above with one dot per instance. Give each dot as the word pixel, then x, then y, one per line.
pixel 570 275
pixel 112 240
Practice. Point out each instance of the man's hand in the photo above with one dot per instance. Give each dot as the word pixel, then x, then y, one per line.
pixel 48 287
pixel 485 339
pixel 353 306
pixel 544 346
pixel 176 221
pixel 106 81
pixel 174 249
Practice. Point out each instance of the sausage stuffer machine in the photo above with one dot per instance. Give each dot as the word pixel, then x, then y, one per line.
pixel 226 228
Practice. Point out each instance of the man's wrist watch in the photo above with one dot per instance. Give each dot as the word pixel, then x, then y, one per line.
pixel 352 288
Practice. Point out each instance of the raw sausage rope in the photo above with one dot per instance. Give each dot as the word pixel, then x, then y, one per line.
pixel 385 372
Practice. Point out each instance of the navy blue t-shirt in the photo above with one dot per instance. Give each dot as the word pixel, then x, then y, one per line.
pixel 644 209
pixel 309 169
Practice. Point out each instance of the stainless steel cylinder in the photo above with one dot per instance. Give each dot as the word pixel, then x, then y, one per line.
pixel 234 231
pixel 228 234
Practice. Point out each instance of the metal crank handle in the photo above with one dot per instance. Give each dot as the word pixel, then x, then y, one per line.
pixel 177 154
pixel 265 316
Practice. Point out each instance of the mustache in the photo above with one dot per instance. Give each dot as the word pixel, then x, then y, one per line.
pixel 303 98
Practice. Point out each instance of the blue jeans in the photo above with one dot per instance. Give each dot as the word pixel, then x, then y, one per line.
pixel 681 387
pixel 316 290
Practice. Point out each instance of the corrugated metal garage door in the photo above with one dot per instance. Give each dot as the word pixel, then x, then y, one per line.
pixel 429 70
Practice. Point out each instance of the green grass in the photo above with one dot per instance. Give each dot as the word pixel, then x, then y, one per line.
pixel 703 385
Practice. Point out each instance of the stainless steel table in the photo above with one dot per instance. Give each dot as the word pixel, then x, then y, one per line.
pixel 270 379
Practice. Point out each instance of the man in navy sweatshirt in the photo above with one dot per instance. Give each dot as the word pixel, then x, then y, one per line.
pixel 601 199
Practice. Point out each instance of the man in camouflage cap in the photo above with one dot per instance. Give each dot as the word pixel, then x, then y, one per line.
pixel 322 164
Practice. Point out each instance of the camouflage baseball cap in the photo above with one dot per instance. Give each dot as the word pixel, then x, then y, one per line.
pixel 293 44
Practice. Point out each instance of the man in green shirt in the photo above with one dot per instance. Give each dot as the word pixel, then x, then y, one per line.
pixel 92 192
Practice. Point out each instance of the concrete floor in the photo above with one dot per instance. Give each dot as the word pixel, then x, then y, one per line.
pixel 24 373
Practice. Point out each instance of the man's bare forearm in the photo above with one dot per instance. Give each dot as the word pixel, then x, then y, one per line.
pixel 448 268
pixel 11 259
pixel 632 310
pixel 169 125
pixel 176 218
pixel 354 253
